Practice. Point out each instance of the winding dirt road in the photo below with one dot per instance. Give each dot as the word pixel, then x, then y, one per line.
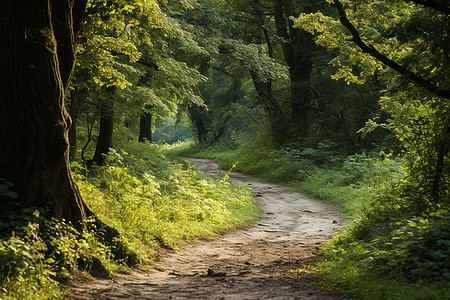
pixel 255 262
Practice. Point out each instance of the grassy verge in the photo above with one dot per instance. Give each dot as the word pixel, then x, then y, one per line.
pixel 155 201
pixel 152 201
pixel 390 249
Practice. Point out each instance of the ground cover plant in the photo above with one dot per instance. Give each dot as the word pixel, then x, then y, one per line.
pixel 314 94
pixel 151 201
pixel 391 248
pixel 154 201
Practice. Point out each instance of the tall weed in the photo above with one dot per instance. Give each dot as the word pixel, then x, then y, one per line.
pixel 153 201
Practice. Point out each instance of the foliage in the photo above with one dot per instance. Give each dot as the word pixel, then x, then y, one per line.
pixel 34 259
pixel 171 56
pixel 138 51
pixel 349 181
pixel 105 36
pixel 168 131
pixel 23 271
pixel 391 253
pixel 155 202
pixel 422 128
pixel 151 201
pixel 403 235
pixel 419 247
pixel 5 189
pixel 418 117
pixel 390 249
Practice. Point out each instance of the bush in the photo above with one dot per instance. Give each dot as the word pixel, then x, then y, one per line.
pixel 153 201
pixel 391 249
pixel 418 248
pixel 389 252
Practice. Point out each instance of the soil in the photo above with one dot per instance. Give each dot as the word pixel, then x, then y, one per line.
pixel 258 261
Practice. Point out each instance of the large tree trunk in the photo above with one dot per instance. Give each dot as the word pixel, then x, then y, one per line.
pixel 297 46
pixel 105 136
pixel 145 125
pixel 36 61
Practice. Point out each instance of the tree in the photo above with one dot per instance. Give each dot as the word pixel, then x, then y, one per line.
pixel 39 42
pixel 297 46
pixel 98 74
pixel 145 125
pixel 406 47
pixel 240 51
pixel 133 46
pixel 105 136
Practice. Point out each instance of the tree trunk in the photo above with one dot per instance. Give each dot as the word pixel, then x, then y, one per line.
pixel 278 125
pixel 37 60
pixel 297 46
pixel 145 125
pixel 202 131
pixel 77 98
pixel 104 141
pixel 351 145
pixel 442 152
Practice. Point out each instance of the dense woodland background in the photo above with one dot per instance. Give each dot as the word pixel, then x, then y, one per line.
pixel 345 100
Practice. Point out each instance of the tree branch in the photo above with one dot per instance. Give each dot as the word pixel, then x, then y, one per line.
pixel 145 62
pixel 369 49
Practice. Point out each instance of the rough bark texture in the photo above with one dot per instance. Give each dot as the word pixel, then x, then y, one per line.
pixel 145 125
pixel 442 152
pixel 37 59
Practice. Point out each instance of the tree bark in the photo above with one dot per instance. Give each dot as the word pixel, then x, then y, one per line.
pixel 202 131
pixel 297 46
pixel 442 152
pixel 145 125
pixel 275 114
pixel 104 141
pixel 351 145
pixel 77 98
pixel 37 59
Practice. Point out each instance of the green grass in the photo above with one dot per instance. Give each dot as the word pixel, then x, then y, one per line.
pixel 351 278
pixel 390 249
pixel 152 201
pixel 383 257
pixel 350 182
pixel 156 202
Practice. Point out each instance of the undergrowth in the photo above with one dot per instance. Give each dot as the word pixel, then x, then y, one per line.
pixel 154 201
pixel 390 249
pixel 150 200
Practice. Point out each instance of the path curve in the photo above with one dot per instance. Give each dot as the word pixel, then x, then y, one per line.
pixel 253 262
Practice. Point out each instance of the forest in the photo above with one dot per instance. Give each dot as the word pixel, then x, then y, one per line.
pixel 346 101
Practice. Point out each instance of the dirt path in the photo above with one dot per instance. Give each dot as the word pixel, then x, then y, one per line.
pixel 254 262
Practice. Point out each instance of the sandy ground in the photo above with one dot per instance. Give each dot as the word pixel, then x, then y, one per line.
pixel 255 262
